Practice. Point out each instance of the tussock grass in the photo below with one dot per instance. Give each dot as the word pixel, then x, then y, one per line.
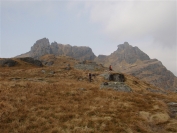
pixel 63 104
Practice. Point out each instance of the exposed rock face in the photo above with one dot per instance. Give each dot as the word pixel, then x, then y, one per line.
pixel 154 72
pixel 81 53
pixel 132 60
pixel 129 54
pixel 32 61
pixel 125 52
pixel 40 48
pixel 43 47
pixel 117 77
pixel 7 63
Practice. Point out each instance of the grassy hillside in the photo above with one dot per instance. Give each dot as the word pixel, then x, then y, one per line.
pixel 54 100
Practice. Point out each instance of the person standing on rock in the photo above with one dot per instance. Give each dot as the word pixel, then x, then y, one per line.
pixel 110 68
pixel 90 77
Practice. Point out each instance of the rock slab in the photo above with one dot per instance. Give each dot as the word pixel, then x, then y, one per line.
pixel 118 86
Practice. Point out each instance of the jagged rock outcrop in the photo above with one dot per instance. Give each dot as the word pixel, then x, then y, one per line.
pixel 132 60
pixel 125 52
pixel 81 53
pixel 40 48
pixel 130 54
pixel 43 47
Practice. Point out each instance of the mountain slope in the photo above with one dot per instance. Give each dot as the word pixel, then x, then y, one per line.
pixel 54 99
pixel 126 59
pixel 132 60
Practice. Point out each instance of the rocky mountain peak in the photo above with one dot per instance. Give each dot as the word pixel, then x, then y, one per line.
pixel 43 41
pixel 43 47
pixel 129 53
pixel 54 43
pixel 125 45
pixel 40 48
pixel 132 60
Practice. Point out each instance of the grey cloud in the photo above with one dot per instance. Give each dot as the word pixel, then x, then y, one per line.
pixel 136 19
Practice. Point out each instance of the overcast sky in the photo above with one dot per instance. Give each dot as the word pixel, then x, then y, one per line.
pixel 102 25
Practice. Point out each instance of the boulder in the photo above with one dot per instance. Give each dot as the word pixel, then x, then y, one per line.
pixel 68 67
pixel 118 86
pixel 114 77
pixel 173 109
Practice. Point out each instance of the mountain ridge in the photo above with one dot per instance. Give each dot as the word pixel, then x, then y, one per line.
pixel 132 60
pixel 43 47
pixel 126 58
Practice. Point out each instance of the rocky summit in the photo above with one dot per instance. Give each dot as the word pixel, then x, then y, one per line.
pixel 132 60
pixel 43 47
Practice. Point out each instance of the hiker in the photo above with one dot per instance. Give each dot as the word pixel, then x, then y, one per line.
pixel 68 67
pixel 110 68
pixel 90 77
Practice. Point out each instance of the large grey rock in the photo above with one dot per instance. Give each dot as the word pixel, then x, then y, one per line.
pixel 7 62
pixel 173 109
pixel 118 86
pixel 114 77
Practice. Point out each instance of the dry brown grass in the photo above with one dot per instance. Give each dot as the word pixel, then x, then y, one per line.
pixel 60 103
